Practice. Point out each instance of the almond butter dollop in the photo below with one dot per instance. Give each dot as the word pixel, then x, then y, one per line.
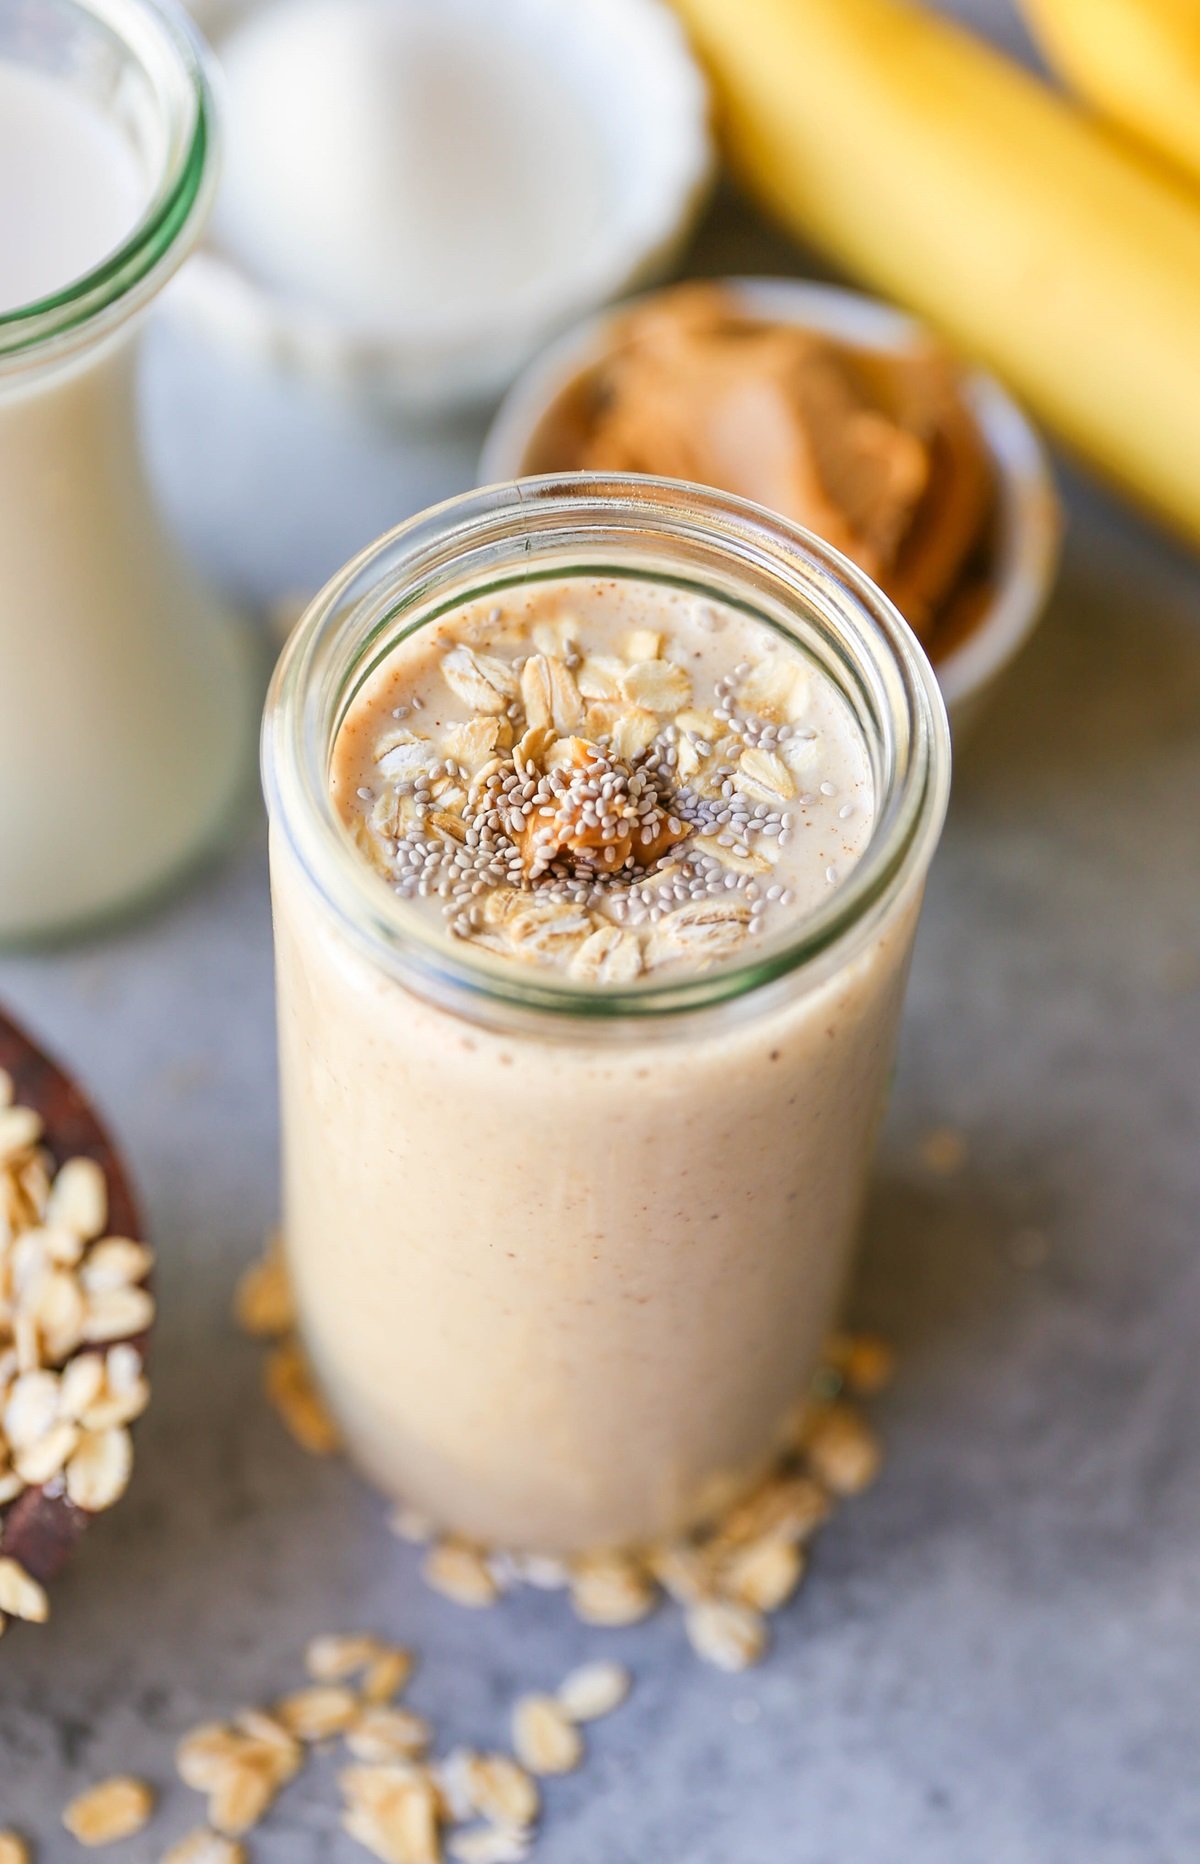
pixel 876 452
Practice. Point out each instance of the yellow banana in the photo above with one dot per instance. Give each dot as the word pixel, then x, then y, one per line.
pixel 1137 61
pixel 945 175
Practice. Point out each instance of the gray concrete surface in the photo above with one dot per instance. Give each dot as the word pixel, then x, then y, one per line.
pixel 996 1658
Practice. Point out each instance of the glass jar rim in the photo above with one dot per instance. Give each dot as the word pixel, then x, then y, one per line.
pixel 162 40
pixel 352 611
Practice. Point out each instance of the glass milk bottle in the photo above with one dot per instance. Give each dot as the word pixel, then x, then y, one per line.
pixel 123 691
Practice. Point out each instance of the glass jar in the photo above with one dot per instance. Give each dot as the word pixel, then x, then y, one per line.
pixel 564 1260
pixel 124 691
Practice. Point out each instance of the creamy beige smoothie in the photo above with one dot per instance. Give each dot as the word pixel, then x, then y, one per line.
pixel 564 1280
pixel 123 713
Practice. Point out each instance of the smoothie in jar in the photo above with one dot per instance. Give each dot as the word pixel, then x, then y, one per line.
pixel 570 1199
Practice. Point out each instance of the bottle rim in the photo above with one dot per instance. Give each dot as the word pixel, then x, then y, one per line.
pixel 169 53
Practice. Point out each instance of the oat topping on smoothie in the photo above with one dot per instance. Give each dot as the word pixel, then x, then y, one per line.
pixel 606 778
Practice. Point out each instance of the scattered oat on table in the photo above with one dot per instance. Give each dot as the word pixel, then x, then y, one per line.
pixel 289 1385
pixel 319 1712
pixel 109 1811
pixel 334 1657
pixel 13 1849
pixel 393 1812
pixel 263 1300
pixel 594 1690
pixel 501 1790
pixel 205 1847
pixel 461 1572
pixel 729 1635
pixel 865 1363
pixel 242 1766
pixel 545 1738
pixel 399 1802
pixel 764 1574
pixel 383 1734
pixel 843 1450
pixel 263 1307
pixel 242 1797
pixel 608 1589
pixel 386 1674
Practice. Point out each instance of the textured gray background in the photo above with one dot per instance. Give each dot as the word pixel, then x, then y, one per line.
pixel 996 1655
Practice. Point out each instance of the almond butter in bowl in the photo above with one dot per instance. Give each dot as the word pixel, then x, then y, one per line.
pixel 876 452
pixel 75 1313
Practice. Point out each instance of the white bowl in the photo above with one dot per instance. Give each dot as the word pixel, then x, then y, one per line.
pixel 1028 522
pixel 631 80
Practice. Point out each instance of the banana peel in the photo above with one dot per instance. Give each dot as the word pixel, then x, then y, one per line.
pixel 1135 61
